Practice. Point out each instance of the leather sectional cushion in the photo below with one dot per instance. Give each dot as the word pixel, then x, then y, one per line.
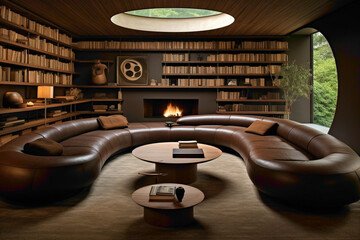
pixel 260 127
pixel 43 147
pixel 295 163
pixel 113 121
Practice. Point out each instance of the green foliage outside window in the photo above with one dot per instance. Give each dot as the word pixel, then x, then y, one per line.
pixel 325 81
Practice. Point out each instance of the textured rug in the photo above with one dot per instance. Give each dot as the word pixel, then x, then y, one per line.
pixel 232 209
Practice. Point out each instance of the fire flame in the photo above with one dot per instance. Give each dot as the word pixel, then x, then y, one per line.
pixel 172 111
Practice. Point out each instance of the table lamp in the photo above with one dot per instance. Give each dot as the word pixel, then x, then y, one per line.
pixel 45 92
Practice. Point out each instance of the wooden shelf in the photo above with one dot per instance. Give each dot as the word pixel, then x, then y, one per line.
pixel 14 44
pixel 35 123
pixel 175 50
pixel 223 62
pixel 93 61
pixel 253 112
pixel 106 100
pixel 36 67
pixel 33 84
pixel 26 30
pixel 34 108
pixel 99 113
pixel 251 100
pixel 218 74
pixel 248 87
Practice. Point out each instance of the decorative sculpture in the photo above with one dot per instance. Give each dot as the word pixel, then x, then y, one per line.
pixel 12 99
pixel 98 73
pixel 180 193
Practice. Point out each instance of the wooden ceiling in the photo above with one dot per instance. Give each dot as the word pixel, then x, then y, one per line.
pixel 85 18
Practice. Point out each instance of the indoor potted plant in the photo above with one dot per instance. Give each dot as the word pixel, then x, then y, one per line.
pixel 293 80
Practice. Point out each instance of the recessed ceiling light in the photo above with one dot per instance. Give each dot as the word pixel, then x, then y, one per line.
pixel 172 20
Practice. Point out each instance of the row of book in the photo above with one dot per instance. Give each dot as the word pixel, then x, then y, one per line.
pixel 186 82
pixel 176 57
pixel 255 82
pixel 38 60
pixel 235 69
pixel 244 57
pixel 241 94
pixel 41 60
pixel 42 44
pixel 13 55
pixel 12 36
pixel 200 82
pixel 36 42
pixel 248 57
pixel 238 107
pixel 48 78
pixel 211 45
pixel 8 74
pixel 270 44
pixel 11 16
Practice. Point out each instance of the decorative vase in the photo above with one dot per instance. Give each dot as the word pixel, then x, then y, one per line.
pixel 12 99
pixel 98 76
pixel 180 193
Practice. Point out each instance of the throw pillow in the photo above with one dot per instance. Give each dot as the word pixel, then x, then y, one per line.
pixel 260 127
pixel 43 147
pixel 113 121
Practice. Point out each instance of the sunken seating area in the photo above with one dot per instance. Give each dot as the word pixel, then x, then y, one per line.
pixel 292 162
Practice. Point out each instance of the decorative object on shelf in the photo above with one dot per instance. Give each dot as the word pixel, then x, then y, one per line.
pixel 45 92
pixel 12 100
pixel 169 124
pixel 132 70
pixel 30 104
pixel 232 82
pixel 180 192
pixel 153 82
pixel 76 92
pixel 293 80
pixel 98 76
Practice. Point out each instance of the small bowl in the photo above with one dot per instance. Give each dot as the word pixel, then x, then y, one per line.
pixel 169 124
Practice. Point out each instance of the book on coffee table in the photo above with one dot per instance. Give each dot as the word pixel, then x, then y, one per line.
pixel 188 144
pixel 188 153
pixel 162 193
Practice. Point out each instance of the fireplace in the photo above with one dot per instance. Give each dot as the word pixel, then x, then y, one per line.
pixel 170 108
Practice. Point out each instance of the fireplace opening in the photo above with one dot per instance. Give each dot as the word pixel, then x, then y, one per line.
pixel 170 108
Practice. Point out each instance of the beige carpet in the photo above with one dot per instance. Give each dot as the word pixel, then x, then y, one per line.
pixel 233 209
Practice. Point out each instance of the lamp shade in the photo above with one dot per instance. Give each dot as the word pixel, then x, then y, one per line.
pixel 45 92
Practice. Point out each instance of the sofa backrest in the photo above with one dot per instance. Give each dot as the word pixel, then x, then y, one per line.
pixel 69 129
pixel 311 140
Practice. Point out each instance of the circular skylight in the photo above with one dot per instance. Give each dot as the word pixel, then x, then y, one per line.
pixel 173 12
pixel 172 20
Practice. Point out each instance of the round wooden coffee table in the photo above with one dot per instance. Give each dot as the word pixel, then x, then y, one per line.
pixel 178 170
pixel 169 214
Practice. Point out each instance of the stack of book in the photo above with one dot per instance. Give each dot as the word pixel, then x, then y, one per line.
pixel 56 113
pixel 188 144
pixel 188 149
pixel 100 108
pixel 11 121
pixel 162 193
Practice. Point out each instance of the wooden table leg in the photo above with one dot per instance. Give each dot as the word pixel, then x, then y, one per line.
pixel 169 218
pixel 177 173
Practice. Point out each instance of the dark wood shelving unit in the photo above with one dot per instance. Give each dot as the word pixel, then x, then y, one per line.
pixel 23 46
pixel 251 100
pixel 222 62
pixel 36 67
pixel 25 30
pixel 252 112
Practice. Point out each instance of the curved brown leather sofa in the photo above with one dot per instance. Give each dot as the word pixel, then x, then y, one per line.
pixel 295 163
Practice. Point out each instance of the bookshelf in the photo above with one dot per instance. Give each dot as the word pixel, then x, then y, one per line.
pixel 32 52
